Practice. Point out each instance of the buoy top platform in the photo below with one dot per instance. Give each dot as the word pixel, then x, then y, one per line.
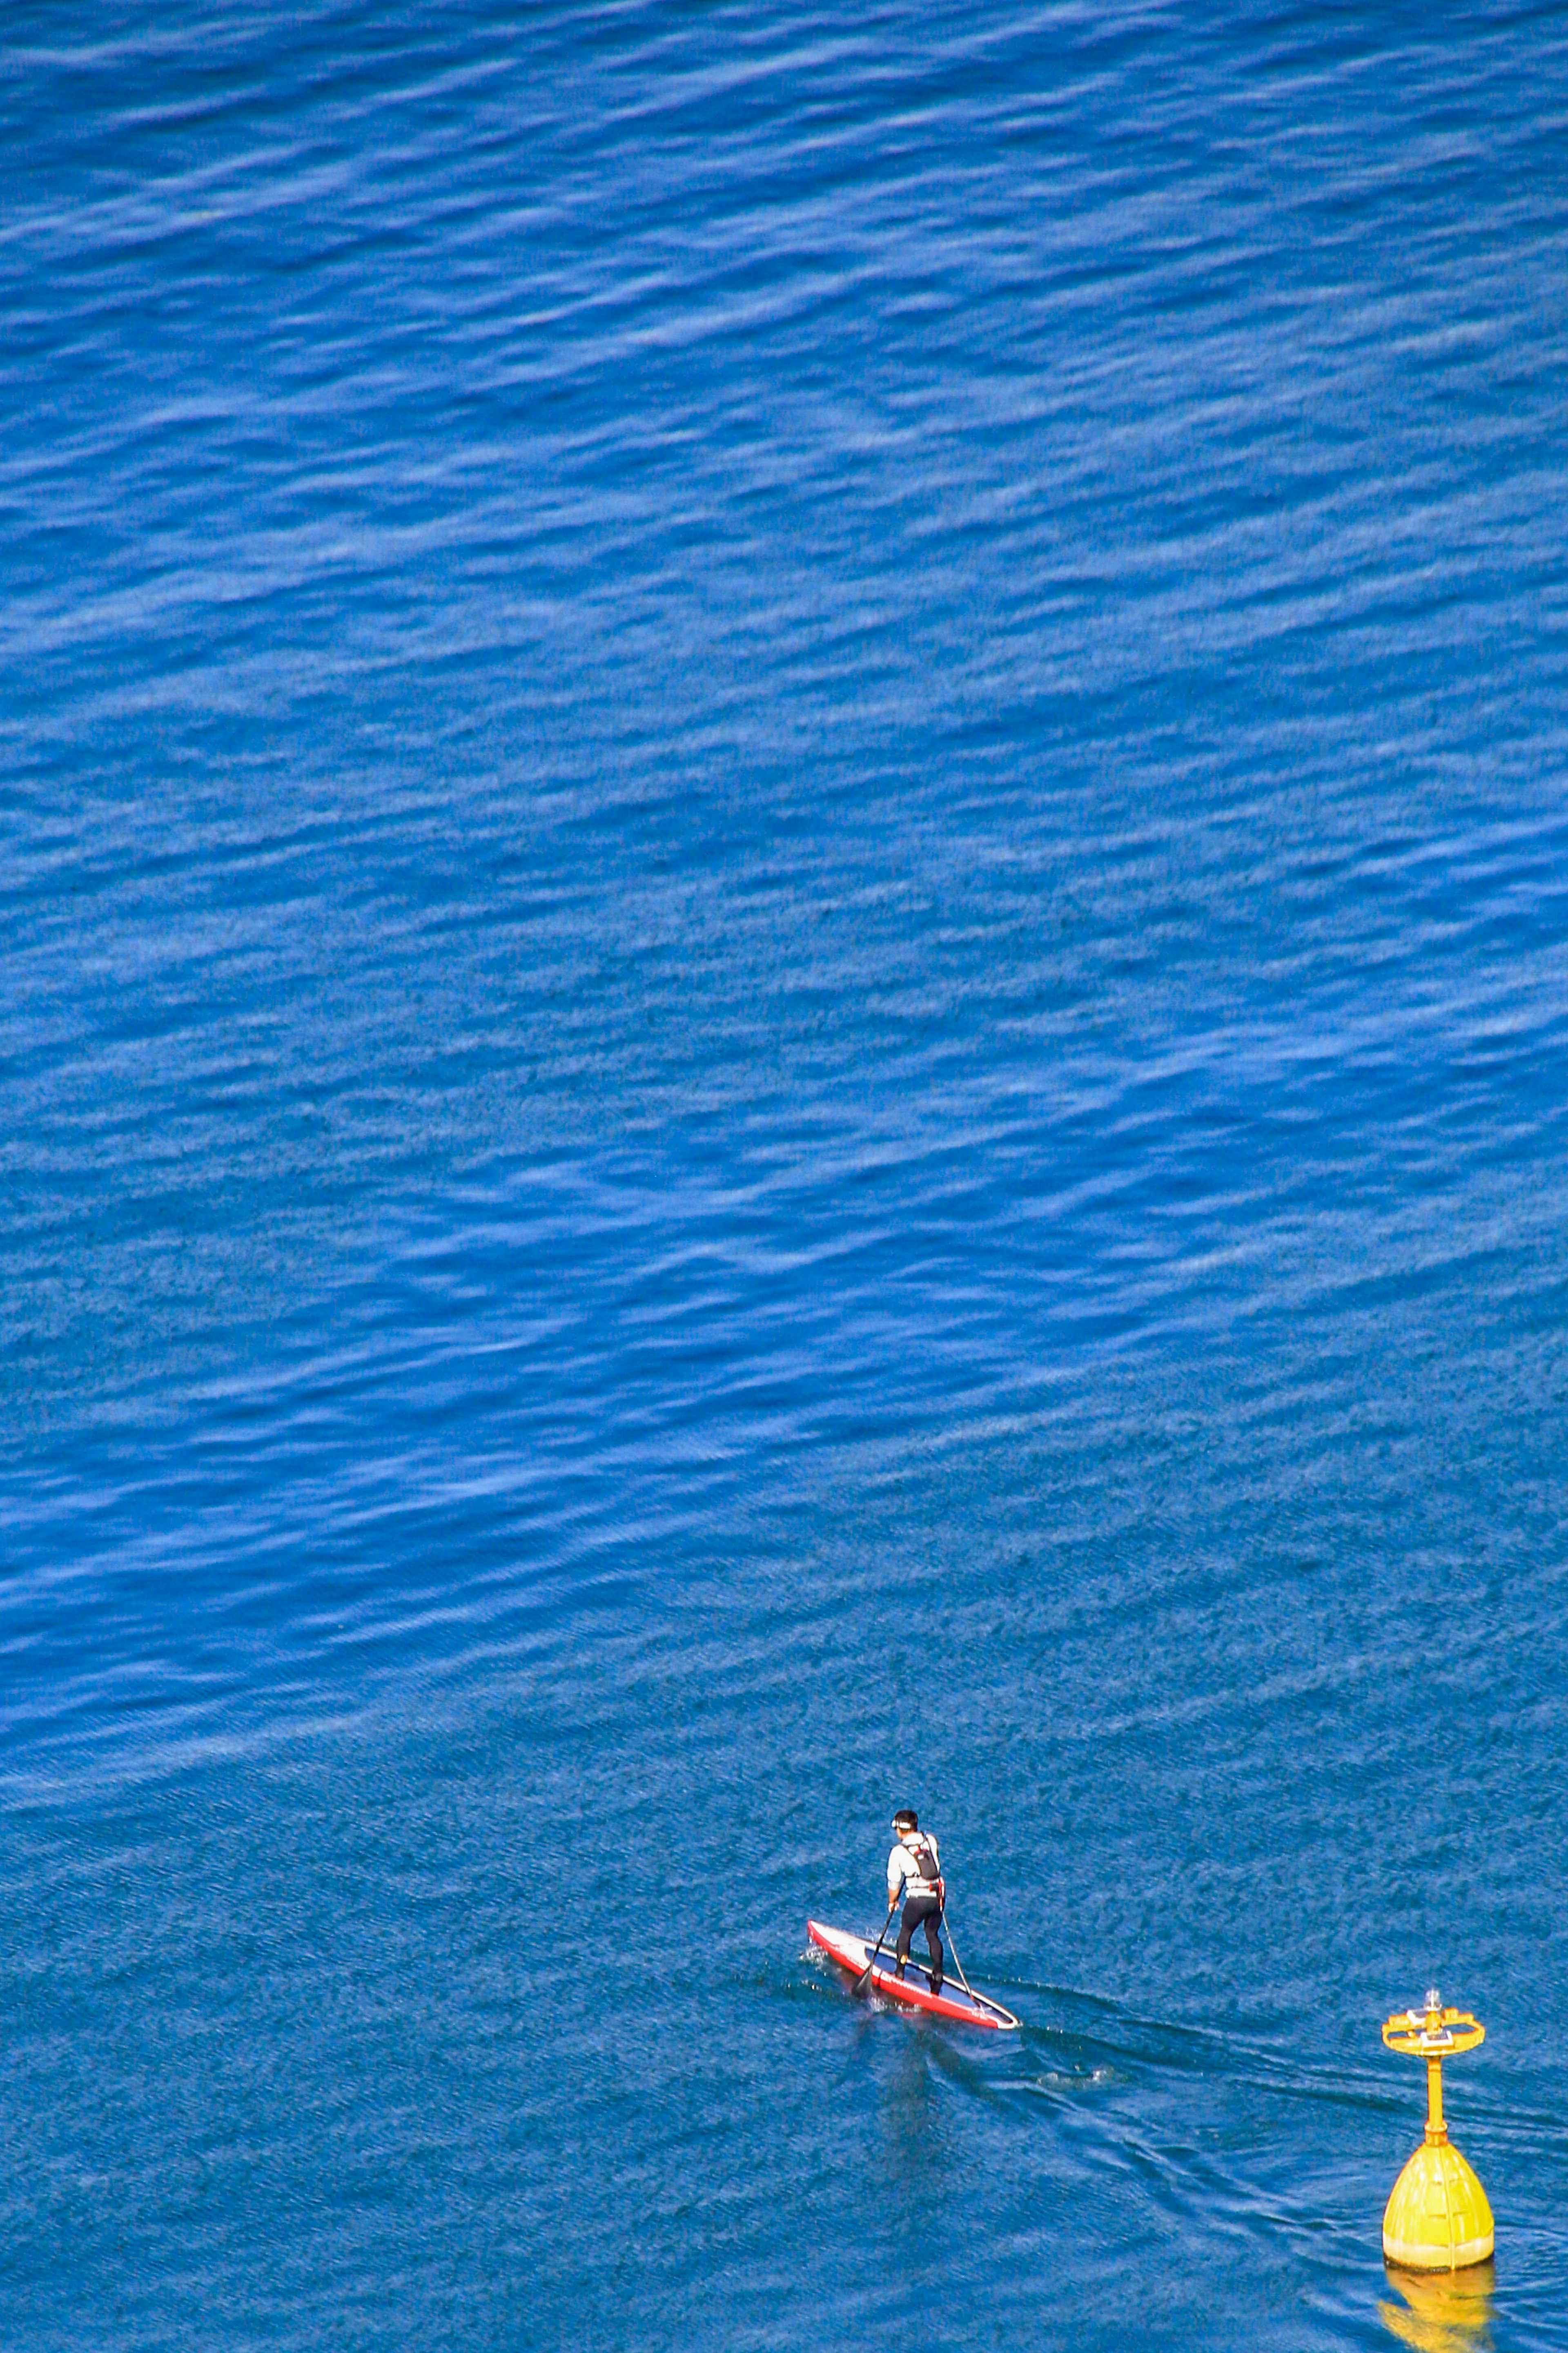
pixel 1430 2034
pixel 1437 2219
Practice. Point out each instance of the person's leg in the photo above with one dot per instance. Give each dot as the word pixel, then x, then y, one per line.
pixel 933 1945
pixel 906 1930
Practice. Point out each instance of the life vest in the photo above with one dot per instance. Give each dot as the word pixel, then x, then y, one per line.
pixel 921 1853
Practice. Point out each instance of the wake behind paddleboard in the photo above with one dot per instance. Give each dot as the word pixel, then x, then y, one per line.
pixel 913 1989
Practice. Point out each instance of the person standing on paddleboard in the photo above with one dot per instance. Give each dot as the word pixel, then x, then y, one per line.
pixel 914 1871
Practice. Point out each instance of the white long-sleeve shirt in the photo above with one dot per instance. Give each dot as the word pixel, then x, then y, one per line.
pixel 903 1871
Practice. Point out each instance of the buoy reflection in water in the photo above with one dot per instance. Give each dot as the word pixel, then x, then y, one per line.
pixel 1448 2312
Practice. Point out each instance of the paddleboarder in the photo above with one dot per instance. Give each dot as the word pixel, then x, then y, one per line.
pixel 914 1871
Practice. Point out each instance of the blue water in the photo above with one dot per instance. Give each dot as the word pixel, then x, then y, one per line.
pixel 784 1026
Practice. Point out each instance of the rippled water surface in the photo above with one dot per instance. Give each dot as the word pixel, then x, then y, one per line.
pixel 784 1026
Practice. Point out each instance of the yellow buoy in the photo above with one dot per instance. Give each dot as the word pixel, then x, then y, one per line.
pixel 1437 2219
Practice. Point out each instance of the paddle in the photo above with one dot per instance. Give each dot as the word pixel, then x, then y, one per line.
pixel 864 1980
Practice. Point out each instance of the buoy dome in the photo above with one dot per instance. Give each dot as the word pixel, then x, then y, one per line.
pixel 1437 2219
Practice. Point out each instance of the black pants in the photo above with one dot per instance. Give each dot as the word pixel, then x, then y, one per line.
pixel 919 1909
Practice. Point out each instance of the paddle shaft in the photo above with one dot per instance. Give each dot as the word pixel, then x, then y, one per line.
pixel 864 1980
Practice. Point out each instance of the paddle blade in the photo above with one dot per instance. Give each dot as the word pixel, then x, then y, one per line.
pixel 864 1980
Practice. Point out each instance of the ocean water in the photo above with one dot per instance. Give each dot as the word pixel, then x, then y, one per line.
pixel 784 1027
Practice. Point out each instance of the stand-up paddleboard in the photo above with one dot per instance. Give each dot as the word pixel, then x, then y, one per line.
pixel 913 1989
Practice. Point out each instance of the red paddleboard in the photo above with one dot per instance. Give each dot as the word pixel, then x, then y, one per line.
pixel 913 1989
